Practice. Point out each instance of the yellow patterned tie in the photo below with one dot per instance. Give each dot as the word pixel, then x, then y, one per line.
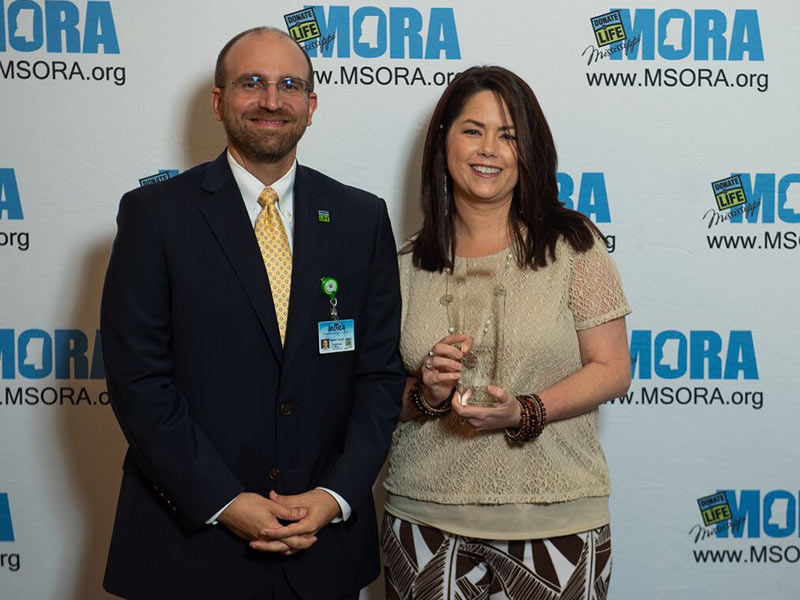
pixel 276 253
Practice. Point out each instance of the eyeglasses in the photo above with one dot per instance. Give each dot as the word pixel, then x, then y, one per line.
pixel 290 86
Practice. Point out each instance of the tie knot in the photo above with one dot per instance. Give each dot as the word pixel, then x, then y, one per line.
pixel 267 197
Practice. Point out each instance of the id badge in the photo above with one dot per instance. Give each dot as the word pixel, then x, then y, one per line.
pixel 336 336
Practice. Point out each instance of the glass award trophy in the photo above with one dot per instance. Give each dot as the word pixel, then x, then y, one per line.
pixel 478 371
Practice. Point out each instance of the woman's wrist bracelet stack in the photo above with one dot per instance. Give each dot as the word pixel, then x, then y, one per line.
pixel 422 404
pixel 532 418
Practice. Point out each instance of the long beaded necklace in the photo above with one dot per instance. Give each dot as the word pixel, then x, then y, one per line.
pixel 469 361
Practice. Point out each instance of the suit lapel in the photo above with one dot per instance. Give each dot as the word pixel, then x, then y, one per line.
pixel 224 211
pixel 311 243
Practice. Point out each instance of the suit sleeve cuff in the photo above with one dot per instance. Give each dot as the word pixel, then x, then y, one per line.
pixel 343 505
pixel 215 516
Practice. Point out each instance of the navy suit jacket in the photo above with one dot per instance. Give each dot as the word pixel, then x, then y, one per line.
pixel 211 404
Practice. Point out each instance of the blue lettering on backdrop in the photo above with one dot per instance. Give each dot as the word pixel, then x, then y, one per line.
pixel 100 29
pixel 35 354
pixel 671 35
pixel 63 20
pixel 670 354
pixel 22 36
pixel 10 204
pixel 6 528
pixel 336 23
pixel 762 199
pixel 668 46
pixel 592 196
pixel 372 33
pixel 775 516
pixel 57 27
pixel 365 43
pixel 406 24
pixel 709 28
pixel 442 35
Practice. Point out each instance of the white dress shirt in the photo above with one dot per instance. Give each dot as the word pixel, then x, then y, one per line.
pixel 251 187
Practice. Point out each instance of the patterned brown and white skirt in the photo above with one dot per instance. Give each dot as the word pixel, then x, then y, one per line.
pixel 425 563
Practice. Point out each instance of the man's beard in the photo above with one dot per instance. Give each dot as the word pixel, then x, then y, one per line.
pixel 263 146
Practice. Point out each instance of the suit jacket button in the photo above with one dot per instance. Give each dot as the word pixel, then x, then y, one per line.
pixel 286 409
pixel 274 473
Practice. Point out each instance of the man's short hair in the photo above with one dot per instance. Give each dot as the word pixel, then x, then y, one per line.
pixel 219 69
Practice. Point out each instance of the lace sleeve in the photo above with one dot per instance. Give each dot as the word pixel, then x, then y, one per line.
pixel 595 290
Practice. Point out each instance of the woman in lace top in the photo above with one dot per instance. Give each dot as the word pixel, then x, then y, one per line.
pixel 513 333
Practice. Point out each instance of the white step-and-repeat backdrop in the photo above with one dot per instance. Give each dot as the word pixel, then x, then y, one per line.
pixel 677 128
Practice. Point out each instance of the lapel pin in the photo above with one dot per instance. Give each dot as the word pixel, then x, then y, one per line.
pixel 324 216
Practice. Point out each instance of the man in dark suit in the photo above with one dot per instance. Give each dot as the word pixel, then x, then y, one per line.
pixel 252 449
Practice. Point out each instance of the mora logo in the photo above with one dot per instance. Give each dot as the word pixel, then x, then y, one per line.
pixel 404 32
pixel 6 528
pixel 35 354
pixel 56 25
pixel 675 34
pixel 771 197
pixel 592 198
pixel 10 204
pixel 703 353
pixel 754 514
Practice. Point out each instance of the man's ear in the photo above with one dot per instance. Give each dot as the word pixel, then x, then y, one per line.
pixel 312 106
pixel 216 102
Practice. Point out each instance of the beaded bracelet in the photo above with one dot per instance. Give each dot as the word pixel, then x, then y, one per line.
pixel 522 433
pixel 422 404
pixel 541 417
pixel 532 417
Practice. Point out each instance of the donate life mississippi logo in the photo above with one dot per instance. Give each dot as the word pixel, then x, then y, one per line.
pixel 744 199
pixel 676 35
pixel 755 198
pixel 729 192
pixel 608 28
pixel 162 175
pixel 714 508
pixel 610 35
pixel 751 514
pixel 302 25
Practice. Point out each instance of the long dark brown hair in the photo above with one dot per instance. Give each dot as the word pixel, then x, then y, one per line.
pixel 536 218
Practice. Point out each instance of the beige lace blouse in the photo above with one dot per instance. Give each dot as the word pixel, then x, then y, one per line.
pixel 529 344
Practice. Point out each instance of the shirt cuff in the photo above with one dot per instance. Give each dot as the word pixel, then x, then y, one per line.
pixel 215 516
pixel 343 505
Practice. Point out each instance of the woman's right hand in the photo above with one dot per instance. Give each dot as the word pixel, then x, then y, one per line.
pixel 441 372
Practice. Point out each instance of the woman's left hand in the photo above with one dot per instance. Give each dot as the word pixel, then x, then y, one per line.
pixel 505 413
